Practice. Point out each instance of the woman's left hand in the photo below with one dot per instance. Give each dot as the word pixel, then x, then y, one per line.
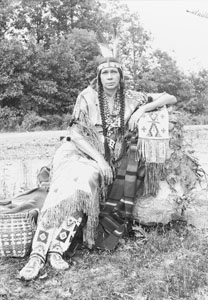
pixel 135 117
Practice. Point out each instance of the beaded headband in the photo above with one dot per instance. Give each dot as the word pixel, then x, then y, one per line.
pixel 109 64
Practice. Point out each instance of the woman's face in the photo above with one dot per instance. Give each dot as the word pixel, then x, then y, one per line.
pixel 110 78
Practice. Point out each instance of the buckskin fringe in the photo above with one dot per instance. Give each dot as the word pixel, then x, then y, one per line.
pixel 153 174
pixel 79 202
pixel 154 154
pixel 152 151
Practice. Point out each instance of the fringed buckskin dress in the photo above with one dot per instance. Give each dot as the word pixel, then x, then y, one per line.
pixel 77 186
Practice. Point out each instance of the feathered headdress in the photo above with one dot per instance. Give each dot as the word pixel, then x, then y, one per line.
pixel 110 51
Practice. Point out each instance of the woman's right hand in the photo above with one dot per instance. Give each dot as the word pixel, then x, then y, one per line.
pixel 106 170
pixel 133 121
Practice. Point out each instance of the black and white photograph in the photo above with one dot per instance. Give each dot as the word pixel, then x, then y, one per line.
pixel 104 149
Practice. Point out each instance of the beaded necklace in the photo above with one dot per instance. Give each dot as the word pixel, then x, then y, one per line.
pixel 113 124
pixel 112 118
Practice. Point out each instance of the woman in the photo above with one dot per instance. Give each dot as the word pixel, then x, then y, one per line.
pixel 85 165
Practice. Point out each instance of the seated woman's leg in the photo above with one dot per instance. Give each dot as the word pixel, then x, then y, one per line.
pixel 74 187
pixel 61 241
pixel 40 245
pixel 54 242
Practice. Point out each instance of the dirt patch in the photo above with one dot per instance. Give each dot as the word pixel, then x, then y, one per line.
pixel 22 145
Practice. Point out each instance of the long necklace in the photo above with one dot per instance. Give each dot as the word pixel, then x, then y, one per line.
pixel 112 117
pixel 112 120
pixel 113 123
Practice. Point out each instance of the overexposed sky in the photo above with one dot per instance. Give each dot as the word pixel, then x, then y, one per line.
pixel 183 35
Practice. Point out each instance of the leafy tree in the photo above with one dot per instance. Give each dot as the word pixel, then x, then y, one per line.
pixel 61 68
pixel 166 73
pixel 200 81
pixel 13 65
pixel 86 50
pixel 198 103
pixel 52 49
pixel 32 18
pixel 162 74
pixel 6 9
pixel 49 19
pixel 135 42
pixel 68 15
pixel 133 38
pixel 46 80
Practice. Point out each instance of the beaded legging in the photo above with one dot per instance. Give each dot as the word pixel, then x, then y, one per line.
pixel 54 240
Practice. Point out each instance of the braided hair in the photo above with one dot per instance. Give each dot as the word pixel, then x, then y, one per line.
pixel 121 97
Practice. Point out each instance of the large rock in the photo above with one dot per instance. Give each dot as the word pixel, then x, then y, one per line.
pixel 163 208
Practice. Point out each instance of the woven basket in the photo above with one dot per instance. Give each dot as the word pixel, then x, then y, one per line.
pixel 16 233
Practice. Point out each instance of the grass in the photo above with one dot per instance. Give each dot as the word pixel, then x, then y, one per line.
pixel 169 265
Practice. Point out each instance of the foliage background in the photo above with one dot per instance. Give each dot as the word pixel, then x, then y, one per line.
pixel 49 51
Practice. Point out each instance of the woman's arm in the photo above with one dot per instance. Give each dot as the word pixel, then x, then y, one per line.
pixel 159 100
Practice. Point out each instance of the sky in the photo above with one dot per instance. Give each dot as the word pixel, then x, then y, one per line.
pixel 182 35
